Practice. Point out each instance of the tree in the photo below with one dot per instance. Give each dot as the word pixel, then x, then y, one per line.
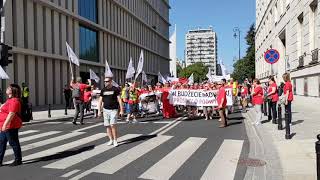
pixel 245 67
pixel 199 71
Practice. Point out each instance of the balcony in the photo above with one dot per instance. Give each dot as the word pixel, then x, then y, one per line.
pixel 301 62
pixel 315 56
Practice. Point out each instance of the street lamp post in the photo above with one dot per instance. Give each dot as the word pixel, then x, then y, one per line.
pixel 237 30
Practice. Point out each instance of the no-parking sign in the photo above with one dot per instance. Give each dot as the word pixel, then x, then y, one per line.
pixel 271 56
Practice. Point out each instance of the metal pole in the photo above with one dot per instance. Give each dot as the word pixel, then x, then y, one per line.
pixel 49 111
pixel 265 108
pixel 288 135
pixel 279 117
pixel 317 147
pixel 239 45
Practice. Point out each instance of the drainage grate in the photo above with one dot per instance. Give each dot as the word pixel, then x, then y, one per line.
pixel 252 162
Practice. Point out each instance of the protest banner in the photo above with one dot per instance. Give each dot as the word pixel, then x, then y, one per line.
pixel 197 97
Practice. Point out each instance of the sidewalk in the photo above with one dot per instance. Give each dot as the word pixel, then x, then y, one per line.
pixel 293 159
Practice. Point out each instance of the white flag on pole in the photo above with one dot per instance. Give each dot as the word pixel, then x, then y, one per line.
pixel 72 56
pixel 190 79
pixel 94 76
pixel 115 84
pixel 108 72
pixel 161 78
pixel 130 71
pixel 140 64
pixel 3 74
pixel 144 77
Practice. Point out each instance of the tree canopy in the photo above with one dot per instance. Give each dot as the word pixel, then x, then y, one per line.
pixel 199 71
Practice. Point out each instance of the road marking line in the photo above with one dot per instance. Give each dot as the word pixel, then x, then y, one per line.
pixel 227 156
pixel 64 147
pixel 46 142
pixel 53 122
pixel 89 127
pixel 72 160
pixel 162 122
pixel 37 136
pixel 120 161
pixel 167 166
pixel 166 126
pixel 70 173
pixel 27 132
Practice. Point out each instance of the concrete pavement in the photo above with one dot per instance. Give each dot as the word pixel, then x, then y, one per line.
pixel 293 159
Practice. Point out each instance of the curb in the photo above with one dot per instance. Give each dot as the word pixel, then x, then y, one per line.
pixel 261 147
pixel 53 119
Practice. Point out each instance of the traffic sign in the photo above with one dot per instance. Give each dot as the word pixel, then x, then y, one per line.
pixel 271 56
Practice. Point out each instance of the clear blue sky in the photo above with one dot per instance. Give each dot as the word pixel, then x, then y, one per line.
pixel 223 15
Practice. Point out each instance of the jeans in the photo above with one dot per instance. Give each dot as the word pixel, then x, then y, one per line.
pixel 274 111
pixel 258 108
pixel 12 136
pixel 288 110
pixel 79 107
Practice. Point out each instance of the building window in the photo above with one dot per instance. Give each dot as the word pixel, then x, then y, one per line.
pixel 88 44
pixel 88 9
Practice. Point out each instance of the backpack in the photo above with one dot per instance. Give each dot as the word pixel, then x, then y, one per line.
pixel 26 112
pixel 76 93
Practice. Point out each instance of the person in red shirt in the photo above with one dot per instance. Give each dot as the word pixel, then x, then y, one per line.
pixel 222 103
pixel 244 97
pixel 257 100
pixel 78 98
pixel 10 123
pixel 273 95
pixel 87 99
pixel 287 91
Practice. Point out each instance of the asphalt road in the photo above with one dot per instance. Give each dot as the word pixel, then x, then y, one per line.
pixel 154 149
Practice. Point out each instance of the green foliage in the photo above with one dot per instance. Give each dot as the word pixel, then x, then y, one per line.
pixel 199 71
pixel 245 67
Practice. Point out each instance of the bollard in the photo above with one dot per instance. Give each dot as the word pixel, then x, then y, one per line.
pixel 66 110
pixel 318 156
pixel 49 111
pixel 279 117
pixel 288 135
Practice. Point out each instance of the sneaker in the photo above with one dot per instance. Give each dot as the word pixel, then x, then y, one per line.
pixel 207 119
pixel 128 121
pixel 15 163
pixel 210 117
pixel 220 120
pixel 110 143
pixel 73 122
pixel 135 121
pixel 115 143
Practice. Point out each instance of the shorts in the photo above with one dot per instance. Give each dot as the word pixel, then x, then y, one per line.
pixel 110 117
pixel 133 108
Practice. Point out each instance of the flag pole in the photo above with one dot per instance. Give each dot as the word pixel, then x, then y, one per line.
pixel 71 69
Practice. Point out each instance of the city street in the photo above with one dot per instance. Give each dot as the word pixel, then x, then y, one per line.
pixel 152 149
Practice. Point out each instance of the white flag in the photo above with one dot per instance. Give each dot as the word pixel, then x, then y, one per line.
pixel 130 71
pixel 72 56
pixel 94 76
pixel 144 77
pixel 140 65
pixel 161 78
pixel 3 74
pixel 115 84
pixel 108 72
pixel 190 79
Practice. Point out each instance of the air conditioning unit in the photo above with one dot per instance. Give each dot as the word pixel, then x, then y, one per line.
pixel 301 61
pixel 315 56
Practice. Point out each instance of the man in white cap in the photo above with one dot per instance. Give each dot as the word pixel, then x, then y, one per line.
pixel 110 101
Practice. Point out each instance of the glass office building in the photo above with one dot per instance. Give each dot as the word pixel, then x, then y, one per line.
pixel 97 30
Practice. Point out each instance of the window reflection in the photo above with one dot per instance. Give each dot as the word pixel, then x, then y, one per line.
pixel 88 44
pixel 88 9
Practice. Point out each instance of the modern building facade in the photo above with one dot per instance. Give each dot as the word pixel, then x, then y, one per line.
pixel 293 28
pixel 201 46
pixel 97 30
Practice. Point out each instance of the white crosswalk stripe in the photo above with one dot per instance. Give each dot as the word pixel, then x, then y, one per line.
pixel 163 168
pixel 47 142
pixel 37 136
pixel 27 132
pixel 72 160
pixel 167 166
pixel 227 156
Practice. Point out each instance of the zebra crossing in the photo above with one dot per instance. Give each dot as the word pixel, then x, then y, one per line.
pixel 223 165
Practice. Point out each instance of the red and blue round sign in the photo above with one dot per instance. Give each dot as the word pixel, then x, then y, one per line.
pixel 271 56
